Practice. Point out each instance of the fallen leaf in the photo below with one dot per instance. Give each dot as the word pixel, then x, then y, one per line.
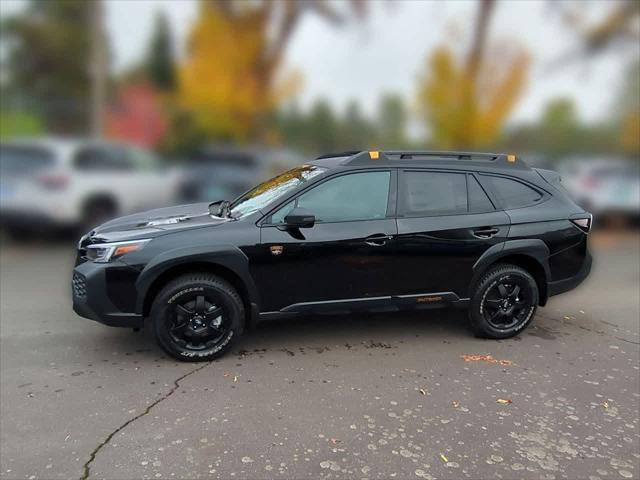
pixel 504 401
pixel 235 378
pixel 606 405
pixel 582 312
pixel 485 358
pixel 456 404
pixel 226 375
pixel 444 459
pixel 335 441
pixel 422 391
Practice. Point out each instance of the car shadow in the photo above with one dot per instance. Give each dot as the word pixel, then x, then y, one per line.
pixel 370 329
pixel 388 330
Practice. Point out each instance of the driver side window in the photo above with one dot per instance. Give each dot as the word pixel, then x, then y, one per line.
pixel 356 196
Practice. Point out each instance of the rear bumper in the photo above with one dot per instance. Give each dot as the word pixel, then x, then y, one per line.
pixel 561 286
pixel 90 299
pixel 31 220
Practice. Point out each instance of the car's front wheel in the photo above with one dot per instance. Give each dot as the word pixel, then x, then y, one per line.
pixel 504 302
pixel 197 317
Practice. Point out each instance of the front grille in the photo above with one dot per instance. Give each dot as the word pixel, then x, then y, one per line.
pixel 79 285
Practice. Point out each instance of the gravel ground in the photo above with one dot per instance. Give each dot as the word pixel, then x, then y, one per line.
pixel 379 396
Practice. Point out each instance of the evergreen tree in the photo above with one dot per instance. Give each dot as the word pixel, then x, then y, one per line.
pixel 392 122
pixel 356 132
pixel 160 57
pixel 46 62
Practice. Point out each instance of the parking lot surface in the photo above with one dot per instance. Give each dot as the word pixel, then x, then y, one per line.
pixel 375 396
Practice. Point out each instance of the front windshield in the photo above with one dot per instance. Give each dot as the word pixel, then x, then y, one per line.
pixel 268 191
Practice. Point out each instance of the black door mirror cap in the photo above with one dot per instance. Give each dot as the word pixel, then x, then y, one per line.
pixel 300 218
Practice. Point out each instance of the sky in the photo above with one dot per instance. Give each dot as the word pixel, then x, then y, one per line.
pixel 387 51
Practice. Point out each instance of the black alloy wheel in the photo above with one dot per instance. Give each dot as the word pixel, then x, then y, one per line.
pixel 507 302
pixel 198 323
pixel 197 317
pixel 504 302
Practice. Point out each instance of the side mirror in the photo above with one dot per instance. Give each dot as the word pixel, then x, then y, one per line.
pixel 300 218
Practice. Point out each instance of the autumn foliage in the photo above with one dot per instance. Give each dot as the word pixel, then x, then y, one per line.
pixel 468 110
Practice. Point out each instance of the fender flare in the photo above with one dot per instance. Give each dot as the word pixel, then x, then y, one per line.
pixel 227 256
pixel 533 248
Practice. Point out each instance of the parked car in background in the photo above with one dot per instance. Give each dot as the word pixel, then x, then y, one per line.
pixel 608 187
pixel 53 182
pixel 217 172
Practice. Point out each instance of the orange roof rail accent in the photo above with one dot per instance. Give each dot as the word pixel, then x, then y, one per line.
pixel 375 155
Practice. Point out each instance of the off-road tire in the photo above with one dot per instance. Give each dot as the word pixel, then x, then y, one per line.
pixel 217 292
pixel 487 288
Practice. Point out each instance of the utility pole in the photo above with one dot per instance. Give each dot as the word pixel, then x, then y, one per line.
pixel 98 67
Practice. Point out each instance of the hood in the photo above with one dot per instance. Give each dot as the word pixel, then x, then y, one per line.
pixel 153 223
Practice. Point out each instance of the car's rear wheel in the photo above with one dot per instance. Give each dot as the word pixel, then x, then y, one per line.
pixel 197 317
pixel 504 302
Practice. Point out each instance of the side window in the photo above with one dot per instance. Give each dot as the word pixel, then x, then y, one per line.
pixel 102 159
pixel 356 196
pixel 278 217
pixel 512 194
pixel 478 199
pixel 432 193
pixel 142 160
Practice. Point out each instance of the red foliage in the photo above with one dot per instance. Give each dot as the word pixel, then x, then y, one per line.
pixel 137 116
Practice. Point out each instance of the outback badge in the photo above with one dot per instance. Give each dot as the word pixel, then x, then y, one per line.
pixel 276 249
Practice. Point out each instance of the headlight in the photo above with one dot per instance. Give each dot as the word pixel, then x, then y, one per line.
pixel 105 252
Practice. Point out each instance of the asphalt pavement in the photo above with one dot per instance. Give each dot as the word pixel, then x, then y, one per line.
pixel 372 396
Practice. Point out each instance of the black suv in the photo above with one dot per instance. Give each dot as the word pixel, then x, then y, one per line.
pixel 372 231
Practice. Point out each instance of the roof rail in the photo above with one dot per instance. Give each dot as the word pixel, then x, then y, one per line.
pixel 407 156
pixel 339 154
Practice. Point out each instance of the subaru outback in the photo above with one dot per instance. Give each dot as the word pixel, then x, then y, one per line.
pixel 348 232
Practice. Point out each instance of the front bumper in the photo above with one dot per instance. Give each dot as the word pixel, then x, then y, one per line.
pixel 94 299
pixel 561 286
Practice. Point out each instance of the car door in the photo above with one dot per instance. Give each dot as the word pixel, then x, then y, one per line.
pixel 345 259
pixel 446 221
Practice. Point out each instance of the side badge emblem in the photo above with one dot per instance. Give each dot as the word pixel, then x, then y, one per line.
pixel 276 249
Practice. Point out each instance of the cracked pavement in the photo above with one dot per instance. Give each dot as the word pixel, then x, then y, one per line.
pixel 378 396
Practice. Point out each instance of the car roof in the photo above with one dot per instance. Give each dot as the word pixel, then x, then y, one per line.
pixel 408 158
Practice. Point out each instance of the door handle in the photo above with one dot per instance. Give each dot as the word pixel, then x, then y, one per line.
pixel 377 240
pixel 485 232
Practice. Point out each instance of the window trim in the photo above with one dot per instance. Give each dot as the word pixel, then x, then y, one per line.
pixel 544 195
pixel 488 194
pixel 391 197
pixel 403 171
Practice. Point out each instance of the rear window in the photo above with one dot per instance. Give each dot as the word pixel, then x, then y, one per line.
pixel 24 160
pixel 432 193
pixel 511 193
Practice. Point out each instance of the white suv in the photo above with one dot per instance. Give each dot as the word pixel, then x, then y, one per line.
pixel 71 183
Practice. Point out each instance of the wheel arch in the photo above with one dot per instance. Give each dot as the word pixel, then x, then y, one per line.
pixel 232 267
pixel 531 255
pixel 96 197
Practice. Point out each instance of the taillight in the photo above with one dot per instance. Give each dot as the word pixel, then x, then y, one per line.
pixel 583 222
pixel 53 182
